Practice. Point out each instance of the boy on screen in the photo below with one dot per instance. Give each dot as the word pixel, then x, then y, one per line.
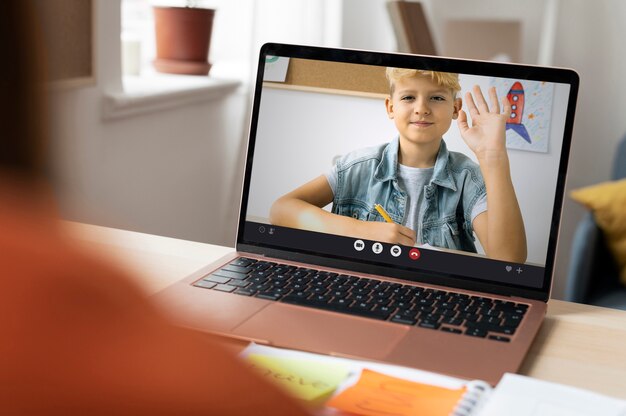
pixel 428 195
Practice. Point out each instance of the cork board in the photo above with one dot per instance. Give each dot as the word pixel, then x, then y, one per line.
pixel 67 27
pixel 335 77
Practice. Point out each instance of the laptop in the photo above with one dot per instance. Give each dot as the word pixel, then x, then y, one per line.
pixel 436 308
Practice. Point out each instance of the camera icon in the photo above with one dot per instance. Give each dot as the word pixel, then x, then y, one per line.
pixel 359 245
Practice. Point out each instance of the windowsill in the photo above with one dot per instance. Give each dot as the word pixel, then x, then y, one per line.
pixel 155 92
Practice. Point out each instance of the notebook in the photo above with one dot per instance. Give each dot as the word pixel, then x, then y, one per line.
pixel 436 301
pixel 365 388
pixel 361 387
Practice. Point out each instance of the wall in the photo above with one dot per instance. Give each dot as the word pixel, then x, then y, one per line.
pixel 366 25
pixel 174 172
pixel 171 172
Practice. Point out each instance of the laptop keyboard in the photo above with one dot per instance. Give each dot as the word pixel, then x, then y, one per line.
pixel 441 310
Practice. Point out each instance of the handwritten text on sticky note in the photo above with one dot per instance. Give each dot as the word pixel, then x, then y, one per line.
pixel 378 394
pixel 305 379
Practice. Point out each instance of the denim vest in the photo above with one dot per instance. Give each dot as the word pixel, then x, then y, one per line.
pixel 368 176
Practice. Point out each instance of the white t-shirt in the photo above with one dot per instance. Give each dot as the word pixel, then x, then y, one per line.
pixel 413 180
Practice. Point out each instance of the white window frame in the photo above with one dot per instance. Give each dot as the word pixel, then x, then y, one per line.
pixel 240 28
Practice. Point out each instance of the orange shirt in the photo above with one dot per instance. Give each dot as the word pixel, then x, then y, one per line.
pixel 78 338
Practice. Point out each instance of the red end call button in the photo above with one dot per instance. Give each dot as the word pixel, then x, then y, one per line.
pixel 414 254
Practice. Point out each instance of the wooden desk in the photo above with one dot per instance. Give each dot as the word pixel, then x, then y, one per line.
pixel 578 345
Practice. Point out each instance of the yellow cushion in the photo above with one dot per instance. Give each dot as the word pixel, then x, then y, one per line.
pixel 607 201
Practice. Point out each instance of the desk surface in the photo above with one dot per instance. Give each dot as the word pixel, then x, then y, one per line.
pixel 578 345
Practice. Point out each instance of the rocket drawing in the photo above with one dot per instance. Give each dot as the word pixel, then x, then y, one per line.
pixel 516 99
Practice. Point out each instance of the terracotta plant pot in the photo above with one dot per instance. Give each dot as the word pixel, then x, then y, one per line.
pixel 183 37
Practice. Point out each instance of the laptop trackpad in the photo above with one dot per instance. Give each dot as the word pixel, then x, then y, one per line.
pixel 321 331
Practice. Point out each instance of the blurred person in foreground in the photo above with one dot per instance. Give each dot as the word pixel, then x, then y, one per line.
pixel 77 337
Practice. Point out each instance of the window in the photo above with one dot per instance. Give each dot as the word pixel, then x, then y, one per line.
pixel 239 28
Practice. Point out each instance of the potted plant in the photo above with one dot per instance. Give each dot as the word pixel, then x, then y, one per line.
pixel 183 38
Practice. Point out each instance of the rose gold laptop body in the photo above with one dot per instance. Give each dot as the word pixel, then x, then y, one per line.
pixel 303 328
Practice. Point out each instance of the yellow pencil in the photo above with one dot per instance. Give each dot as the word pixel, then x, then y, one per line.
pixel 383 213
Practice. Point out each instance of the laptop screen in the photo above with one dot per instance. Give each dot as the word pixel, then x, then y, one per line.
pixel 405 166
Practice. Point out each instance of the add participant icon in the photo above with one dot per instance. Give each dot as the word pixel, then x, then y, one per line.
pixel 414 254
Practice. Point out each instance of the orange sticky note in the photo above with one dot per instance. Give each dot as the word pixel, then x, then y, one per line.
pixel 378 394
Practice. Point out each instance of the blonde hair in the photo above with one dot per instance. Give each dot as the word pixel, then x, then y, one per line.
pixel 444 79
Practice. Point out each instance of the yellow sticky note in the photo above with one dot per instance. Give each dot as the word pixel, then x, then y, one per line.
pixel 308 380
pixel 378 394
